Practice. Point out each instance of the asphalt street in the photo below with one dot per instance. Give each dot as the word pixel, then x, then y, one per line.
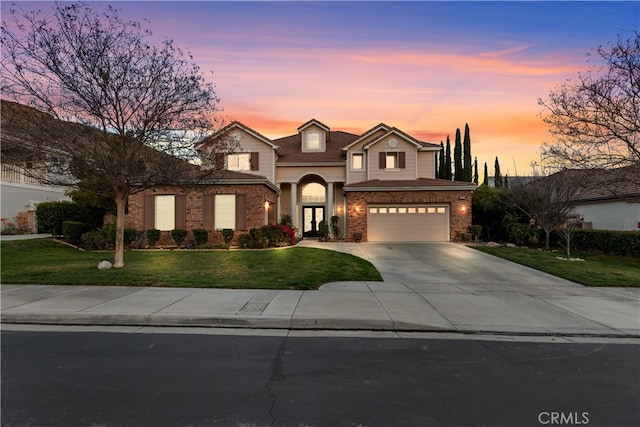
pixel 106 379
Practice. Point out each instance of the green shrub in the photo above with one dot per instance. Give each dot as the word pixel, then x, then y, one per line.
pixel 227 235
pixel 475 231
pixel 286 220
pixel 624 243
pixel 244 241
pixel 178 235
pixel 72 231
pixel 95 240
pixel 258 240
pixel 51 215
pixel 323 230
pixel 130 235
pixel 201 236
pixel 153 235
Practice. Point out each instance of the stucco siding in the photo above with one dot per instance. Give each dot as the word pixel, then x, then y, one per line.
pixel 426 164
pixel 297 173
pixel 266 159
pixel 373 166
pixel 614 215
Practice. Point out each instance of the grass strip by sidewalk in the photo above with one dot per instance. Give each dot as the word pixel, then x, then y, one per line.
pixel 44 261
pixel 597 270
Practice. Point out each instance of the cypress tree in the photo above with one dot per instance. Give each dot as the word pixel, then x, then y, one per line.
pixel 467 154
pixel 457 158
pixel 486 175
pixel 475 171
pixel 441 163
pixel 447 161
pixel 498 175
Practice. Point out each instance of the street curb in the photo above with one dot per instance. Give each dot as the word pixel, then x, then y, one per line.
pixel 311 324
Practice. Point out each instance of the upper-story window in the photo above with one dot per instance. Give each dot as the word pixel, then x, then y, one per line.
pixel 390 160
pixel 357 161
pixel 239 162
pixel 313 141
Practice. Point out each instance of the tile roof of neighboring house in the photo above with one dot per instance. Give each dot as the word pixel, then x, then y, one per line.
pixel 414 184
pixel 291 146
pixel 601 184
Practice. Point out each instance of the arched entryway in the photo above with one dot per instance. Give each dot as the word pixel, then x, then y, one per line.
pixel 313 207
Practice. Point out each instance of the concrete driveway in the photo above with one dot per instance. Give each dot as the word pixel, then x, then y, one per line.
pixel 443 263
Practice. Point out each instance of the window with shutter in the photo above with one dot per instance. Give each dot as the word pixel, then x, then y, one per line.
pixel 225 208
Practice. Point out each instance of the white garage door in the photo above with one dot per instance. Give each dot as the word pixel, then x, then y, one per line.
pixel 398 223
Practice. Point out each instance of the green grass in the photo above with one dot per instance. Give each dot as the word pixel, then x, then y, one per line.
pixel 44 261
pixel 597 270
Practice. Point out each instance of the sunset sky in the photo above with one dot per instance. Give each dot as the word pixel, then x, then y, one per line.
pixel 424 67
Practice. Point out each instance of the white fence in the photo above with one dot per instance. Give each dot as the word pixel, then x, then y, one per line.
pixel 14 173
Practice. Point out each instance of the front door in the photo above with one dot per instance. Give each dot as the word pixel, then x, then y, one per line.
pixel 312 216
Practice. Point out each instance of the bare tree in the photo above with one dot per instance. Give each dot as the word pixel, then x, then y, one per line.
pixel 122 113
pixel 595 119
pixel 548 200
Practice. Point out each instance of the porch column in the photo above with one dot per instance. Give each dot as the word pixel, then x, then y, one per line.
pixel 294 205
pixel 329 201
pixel 278 208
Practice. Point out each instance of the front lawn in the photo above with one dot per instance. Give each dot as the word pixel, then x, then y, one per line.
pixel 44 261
pixel 597 270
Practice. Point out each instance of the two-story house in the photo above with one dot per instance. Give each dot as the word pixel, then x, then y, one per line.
pixel 381 185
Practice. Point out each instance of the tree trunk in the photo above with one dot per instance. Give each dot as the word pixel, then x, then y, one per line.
pixel 121 202
pixel 547 238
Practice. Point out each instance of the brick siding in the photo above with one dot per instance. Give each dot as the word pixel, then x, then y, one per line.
pixel 358 201
pixel 256 195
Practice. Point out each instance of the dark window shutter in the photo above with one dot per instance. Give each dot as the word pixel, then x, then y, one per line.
pixel 220 161
pixel 402 160
pixel 181 211
pixel 148 209
pixel 241 212
pixel 383 160
pixel 255 161
pixel 208 212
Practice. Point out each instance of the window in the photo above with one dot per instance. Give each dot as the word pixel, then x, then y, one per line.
pixel 239 162
pixel 357 161
pixel 392 160
pixel 225 211
pixel 165 213
pixel 313 141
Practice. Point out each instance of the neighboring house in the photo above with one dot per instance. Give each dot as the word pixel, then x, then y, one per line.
pixel 609 201
pixel 380 185
pixel 23 182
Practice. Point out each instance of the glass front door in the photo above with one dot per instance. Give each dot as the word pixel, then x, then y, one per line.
pixel 312 216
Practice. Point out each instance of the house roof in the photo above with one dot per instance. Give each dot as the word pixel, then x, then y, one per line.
pixel 397 132
pixel 388 130
pixel 605 184
pixel 225 177
pixel 313 122
pixel 410 185
pixel 238 125
pixel 291 147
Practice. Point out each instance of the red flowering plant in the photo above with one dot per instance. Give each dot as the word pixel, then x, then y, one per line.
pixel 290 232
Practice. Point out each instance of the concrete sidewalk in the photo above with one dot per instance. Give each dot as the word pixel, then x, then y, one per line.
pixel 511 300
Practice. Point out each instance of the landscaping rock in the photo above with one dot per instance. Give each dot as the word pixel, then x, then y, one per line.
pixel 104 265
pixel 493 245
pixel 511 245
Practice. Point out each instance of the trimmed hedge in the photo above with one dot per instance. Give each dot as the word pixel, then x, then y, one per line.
pixel 201 236
pixel 51 215
pixel 625 243
pixel 72 231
